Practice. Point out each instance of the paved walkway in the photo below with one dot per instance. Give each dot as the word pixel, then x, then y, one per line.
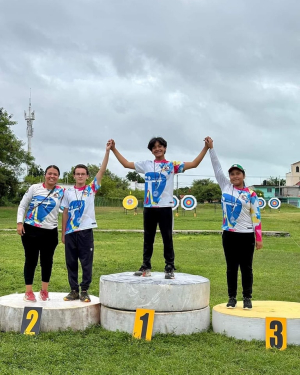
pixel 186 231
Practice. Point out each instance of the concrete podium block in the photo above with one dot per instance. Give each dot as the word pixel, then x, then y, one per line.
pixel 178 323
pixel 57 314
pixel 250 324
pixel 124 291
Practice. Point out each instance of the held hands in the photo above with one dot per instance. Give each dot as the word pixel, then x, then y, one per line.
pixel 109 145
pixel 20 229
pixel 209 143
pixel 112 144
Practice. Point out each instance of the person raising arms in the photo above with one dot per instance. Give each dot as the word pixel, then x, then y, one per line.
pixel 241 227
pixel 158 199
pixel 77 228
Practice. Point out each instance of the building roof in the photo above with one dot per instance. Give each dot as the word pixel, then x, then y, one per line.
pixel 296 162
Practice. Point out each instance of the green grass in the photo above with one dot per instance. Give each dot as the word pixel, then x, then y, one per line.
pixel 96 351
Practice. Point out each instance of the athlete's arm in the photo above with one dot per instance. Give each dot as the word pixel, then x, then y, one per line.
pixel 121 159
pixel 102 169
pixel 197 161
pixel 22 208
pixel 64 224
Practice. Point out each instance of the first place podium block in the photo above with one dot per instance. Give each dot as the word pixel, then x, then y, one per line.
pixel 181 305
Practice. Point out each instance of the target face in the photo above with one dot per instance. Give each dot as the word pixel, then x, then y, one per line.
pixel 130 202
pixel 274 203
pixel 261 203
pixel 175 202
pixel 188 202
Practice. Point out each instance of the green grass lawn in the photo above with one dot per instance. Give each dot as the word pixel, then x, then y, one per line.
pixel 96 351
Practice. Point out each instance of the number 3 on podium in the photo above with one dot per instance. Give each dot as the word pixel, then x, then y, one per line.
pixel 143 324
pixel 276 333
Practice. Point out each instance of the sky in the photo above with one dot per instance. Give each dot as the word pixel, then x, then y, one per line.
pixel 131 70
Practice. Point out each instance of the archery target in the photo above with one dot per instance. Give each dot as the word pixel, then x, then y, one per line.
pixel 261 203
pixel 274 203
pixel 188 202
pixel 175 202
pixel 130 202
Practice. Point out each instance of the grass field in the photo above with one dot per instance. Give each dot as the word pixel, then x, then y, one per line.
pixel 96 351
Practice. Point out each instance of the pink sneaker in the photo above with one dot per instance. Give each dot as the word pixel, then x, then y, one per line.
pixel 29 297
pixel 44 295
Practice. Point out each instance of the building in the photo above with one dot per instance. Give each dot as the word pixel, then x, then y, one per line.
pixel 293 177
pixel 286 194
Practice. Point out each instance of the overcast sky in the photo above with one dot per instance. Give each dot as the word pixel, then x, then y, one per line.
pixel 134 69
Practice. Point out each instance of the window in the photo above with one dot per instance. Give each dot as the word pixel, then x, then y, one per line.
pixel 297 169
pixel 269 190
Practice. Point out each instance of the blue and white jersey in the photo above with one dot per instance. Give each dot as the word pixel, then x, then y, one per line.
pixel 159 181
pixel 80 203
pixel 241 211
pixel 43 206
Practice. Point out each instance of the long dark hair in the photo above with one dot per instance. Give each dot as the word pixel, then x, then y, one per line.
pixel 52 166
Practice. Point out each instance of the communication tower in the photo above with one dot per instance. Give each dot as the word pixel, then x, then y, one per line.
pixel 29 119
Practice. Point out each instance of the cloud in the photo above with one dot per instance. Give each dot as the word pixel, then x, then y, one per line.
pixel 130 70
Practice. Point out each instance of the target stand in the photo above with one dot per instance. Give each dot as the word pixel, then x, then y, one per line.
pixel 130 203
pixel 188 203
pixel 176 205
pixel 274 203
pixel 262 203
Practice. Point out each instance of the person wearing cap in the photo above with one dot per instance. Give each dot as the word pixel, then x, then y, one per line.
pixel 241 227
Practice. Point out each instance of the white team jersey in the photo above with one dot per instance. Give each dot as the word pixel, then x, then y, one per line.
pixel 159 181
pixel 43 206
pixel 81 207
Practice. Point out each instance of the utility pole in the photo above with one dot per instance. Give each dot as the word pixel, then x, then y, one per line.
pixel 29 119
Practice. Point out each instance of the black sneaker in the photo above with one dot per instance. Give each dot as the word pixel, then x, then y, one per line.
pixel 143 271
pixel 84 297
pixel 247 304
pixel 169 272
pixel 231 303
pixel 72 296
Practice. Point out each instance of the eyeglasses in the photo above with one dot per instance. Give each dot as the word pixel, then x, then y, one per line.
pixel 80 174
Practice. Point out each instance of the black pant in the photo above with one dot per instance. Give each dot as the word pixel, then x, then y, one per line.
pixel 38 241
pixel 164 218
pixel 79 245
pixel 238 250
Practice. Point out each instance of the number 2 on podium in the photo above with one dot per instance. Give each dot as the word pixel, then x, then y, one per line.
pixel 33 315
pixel 143 324
pixel 276 333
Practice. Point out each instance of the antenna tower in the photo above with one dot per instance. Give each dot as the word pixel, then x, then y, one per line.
pixel 29 119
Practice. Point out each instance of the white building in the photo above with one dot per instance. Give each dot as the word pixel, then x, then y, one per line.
pixel 293 177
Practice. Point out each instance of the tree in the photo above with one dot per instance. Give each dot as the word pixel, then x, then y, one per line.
pixel 134 176
pixel 206 190
pixel 12 154
pixel 35 174
pixel 35 170
pixel 12 159
pixel 274 181
pixel 259 193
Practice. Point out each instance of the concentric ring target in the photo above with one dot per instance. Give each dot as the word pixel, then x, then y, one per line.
pixel 188 202
pixel 130 202
pixel 274 203
pixel 261 203
pixel 176 202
